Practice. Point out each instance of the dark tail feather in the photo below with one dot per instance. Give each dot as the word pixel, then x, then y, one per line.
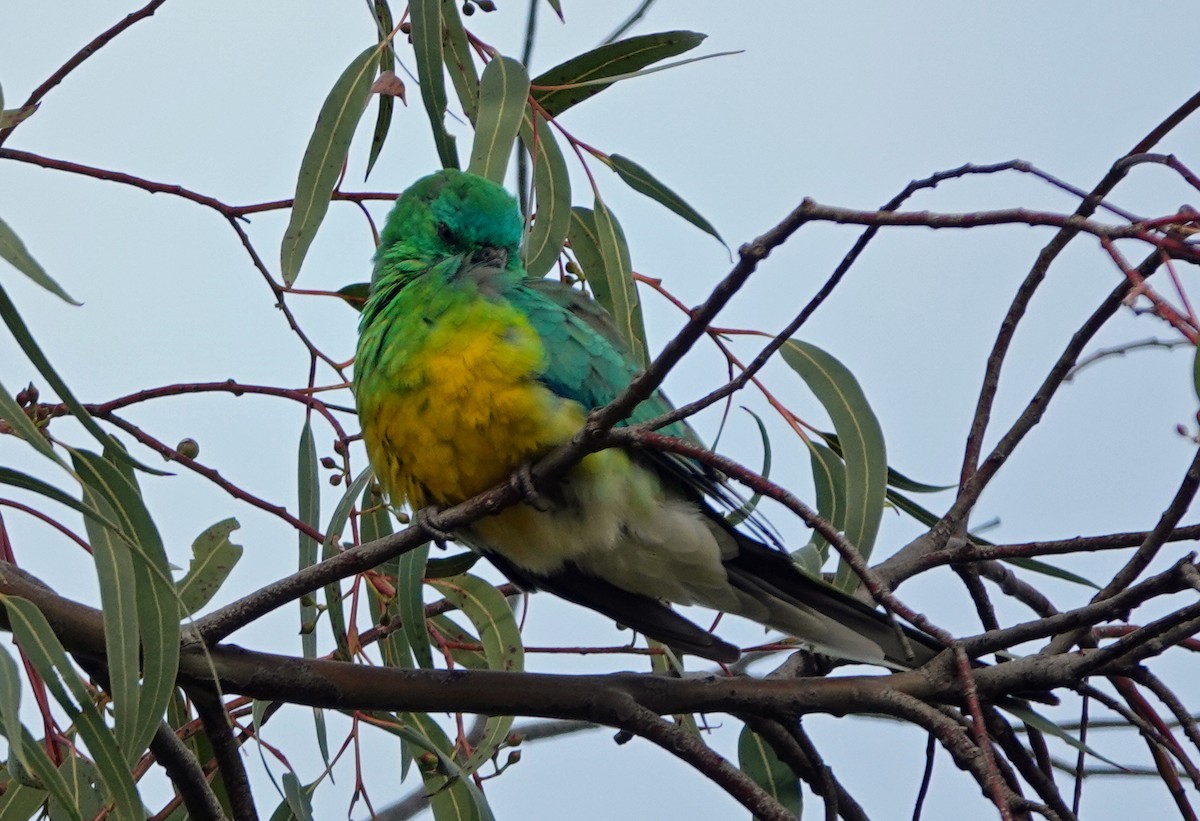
pixel 766 571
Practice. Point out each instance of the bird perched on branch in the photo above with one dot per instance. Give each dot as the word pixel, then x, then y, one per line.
pixel 467 370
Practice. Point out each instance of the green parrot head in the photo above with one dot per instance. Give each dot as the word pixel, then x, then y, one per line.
pixel 447 214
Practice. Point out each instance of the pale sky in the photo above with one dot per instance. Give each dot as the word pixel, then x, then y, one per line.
pixel 844 103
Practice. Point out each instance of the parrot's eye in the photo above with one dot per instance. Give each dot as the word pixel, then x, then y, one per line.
pixel 444 233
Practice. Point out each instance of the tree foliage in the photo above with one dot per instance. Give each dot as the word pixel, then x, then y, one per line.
pixel 94 697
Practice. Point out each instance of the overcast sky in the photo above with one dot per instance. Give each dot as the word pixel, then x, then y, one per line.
pixel 844 103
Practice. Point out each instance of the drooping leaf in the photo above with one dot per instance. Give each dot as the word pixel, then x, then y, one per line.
pixel 642 181
pixel 928 518
pixel 759 761
pixel 829 481
pixel 459 61
pixel 895 478
pixel 489 612
pixel 747 509
pixel 13 251
pixel 298 797
pixel 426 19
pixel 452 796
pixel 621 57
pixel 47 656
pixel 387 63
pixel 600 249
pixel 552 198
pixel 862 443
pixel 503 91
pixel 25 755
pixel 410 585
pixel 213 559
pixel 324 157
pixel 139 552
pixel 330 548
pixel 309 511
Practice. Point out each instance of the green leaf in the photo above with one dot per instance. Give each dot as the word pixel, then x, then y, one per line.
pixel 426 19
pixel 13 117
pixel 1196 372
pixel 213 559
pixel 1039 722
pixel 13 251
pixel 489 612
pixel 298 797
pixel 410 585
pixel 47 656
pixel 309 511
pixel 927 517
pixel 642 181
pixel 459 61
pixel 355 294
pixel 447 566
pixel 135 554
pixel 621 57
pixel 601 250
pixel 895 478
pixel 324 158
pixel 758 760
pixel 503 91
pixel 387 62
pixel 25 755
pixel 552 197
pixel 19 802
pixel 829 480
pixel 452 797
pixel 331 548
pixel 747 509
pixel 862 443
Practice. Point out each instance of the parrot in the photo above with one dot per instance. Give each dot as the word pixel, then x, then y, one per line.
pixel 467 371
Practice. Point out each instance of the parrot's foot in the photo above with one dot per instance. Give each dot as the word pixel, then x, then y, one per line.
pixel 429 520
pixel 522 480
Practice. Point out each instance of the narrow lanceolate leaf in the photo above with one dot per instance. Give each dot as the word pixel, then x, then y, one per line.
pixel 452 796
pixel 13 251
pixel 1196 372
pixel 387 62
pixel 156 620
pixel 861 438
pixel 552 198
pixel 324 157
pixel 213 559
pixel 895 478
pixel 47 656
pixel 459 61
pixel 829 482
pixel 374 522
pixel 642 181
pixel 503 91
pixel 298 798
pixel 501 639
pixel 758 760
pixel 330 548
pixel 410 585
pixel 15 116
pixel 20 332
pixel 747 509
pixel 309 512
pixel 24 753
pixel 621 57
pixel 426 18
pixel 601 250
